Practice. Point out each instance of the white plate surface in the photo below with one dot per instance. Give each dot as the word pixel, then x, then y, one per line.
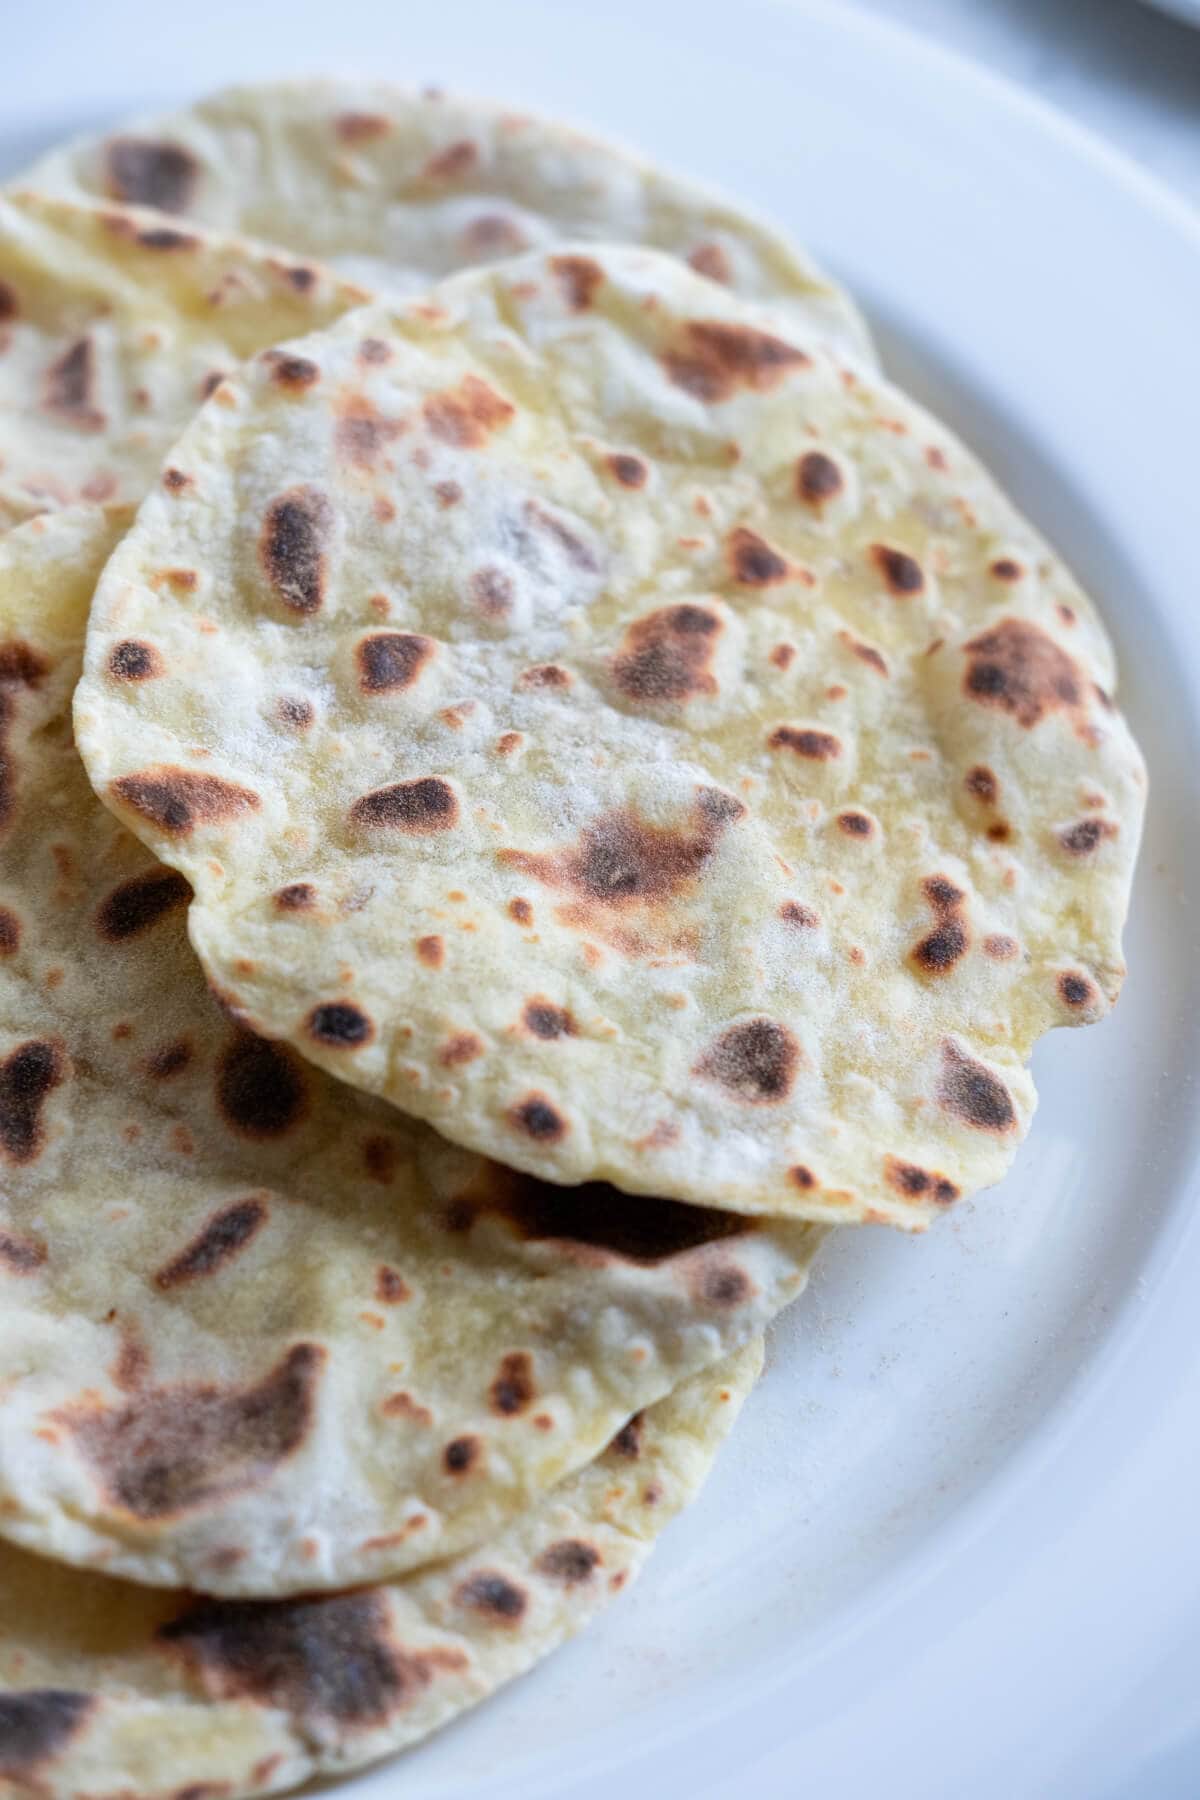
pixel 1188 10
pixel 951 1549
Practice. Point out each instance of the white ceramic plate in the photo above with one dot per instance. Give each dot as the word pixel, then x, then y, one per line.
pixel 951 1549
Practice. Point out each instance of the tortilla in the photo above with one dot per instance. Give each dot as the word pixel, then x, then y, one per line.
pixel 398 188
pixel 259 1333
pixel 751 762
pixel 109 1688
pixel 113 328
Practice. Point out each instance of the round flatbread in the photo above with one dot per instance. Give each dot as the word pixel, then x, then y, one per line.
pixel 109 1688
pixel 750 762
pixel 114 326
pixel 398 188
pixel 259 1333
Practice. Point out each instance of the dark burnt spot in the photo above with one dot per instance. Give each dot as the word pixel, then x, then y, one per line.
pixel 941 893
pixel 293 373
pixel 1083 838
pixel 801 1176
pixel 941 948
pixel 324 1659
pixel 855 824
pixel 514 1389
pixel 817 746
pixel 373 350
pixel 391 1289
pixel 752 561
pixel 208 388
pixel 492 592
pixel 570 1562
pixel 918 1184
pixel 339 1025
pixel 21 1255
pixel 1006 569
pixel 493 1596
pixel 68 387
pixel 418 807
pixel 295 713
pixel 492 235
pixel 973 1094
pixel 793 912
pixel 455 161
pixel 1000 946
pixel 301 277
pixel 177 800
pixel 261 1088
pixel 592 1214
pixel 579 277
pixel 901 572
pixel 818 478
pixel 169 1059
pixel 36 1725
pixel 297 896
pixel 629 470
pixel 620 860
pixel 9 306
pixel 667 655
pixel 545 675
pixel 755 1062
pixel 21 665
pixel 536 1118
pixel 10 932
pixel 381 1158
pixel 520 912
pixel 361 127
pixel 711 260
pixel 431 951
pixel 999 831
pixel 1022 671
pixel 465 416
pixel 219 1240
pixel 713 359
pixel 547 1021
pixel 628 1441
pixel 149 173
pixel 577 552
pixel 721 1284
pixel 174 1449
pixel 174 480
pixel 164 237
pixel 362 432
pixel 134 661
pixel 140 903
pixel 293 547
pixel 1076 989
pixel 866 653
pixel 464 1047
pixel 391 660
pixel 980 782
pixel 461 1455
pixel 28 1075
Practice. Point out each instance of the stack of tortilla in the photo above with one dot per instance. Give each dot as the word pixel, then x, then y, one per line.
pixel 533 782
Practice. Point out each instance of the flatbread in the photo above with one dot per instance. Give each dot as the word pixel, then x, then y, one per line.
pixel 107 1688
pixel 751 762
pixel 398 188
pixel 259 1333
pixel 113 327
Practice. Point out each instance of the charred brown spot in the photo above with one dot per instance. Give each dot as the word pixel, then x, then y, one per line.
pixel 552 526
pixel 1022 671
pixel 941 893
pixel 457 159
pixel 629 470
pixel 1006 569
pixel 866 653
pixel 175 481
pixel 1083 838
pixel 21 665
pixel 141 902
pixel 177 800
pixel 422 806
pixel 339 1025
pixel 431 951
pixel 714 359
pixel 492 235
pixel 901 572
pixel 855 824
pixel 818 478
pixel 390 1286
pixel 464 1047
pixel 536 1118
pixel 1076 989
pixel 68 388
pixel 999 831
pixel 817 746
pixel 146 173
pixel 293 547
pixel 802 1177
pixel 520 912
pixel 492 592
pixel 1001 947
pixel 711 260
pixel 514 1389
pixel 174 1449
pixel 628 1441
pixel 21 1255
pixel 980 782
pixel 592 1215
pixel 918 1184
pixel 545 675
pixel 569 1562
pixel 261 1089
pixel 755 1062
pixel 294 712
pixel 667 655
pixel 493 1596
pixel 465 416
pixel 973 1094
pixel 391 660
pixel 752 561
pixel 10 932
pixel 220 1239
pixel 460 1455
pixel 325 1659
pixel 547 1021
pixel 301 277
pixel 297 896
pixel 579 277
pixel 793 912
pixel 164 237
pixel 721 1284
pixel 36 1725
pixel 293 373
pixel 361 127
pixel 374 350
pixel 362 432
pixel 134 661
pixel 169 1059
pixel 941 948
pixel 28 1075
